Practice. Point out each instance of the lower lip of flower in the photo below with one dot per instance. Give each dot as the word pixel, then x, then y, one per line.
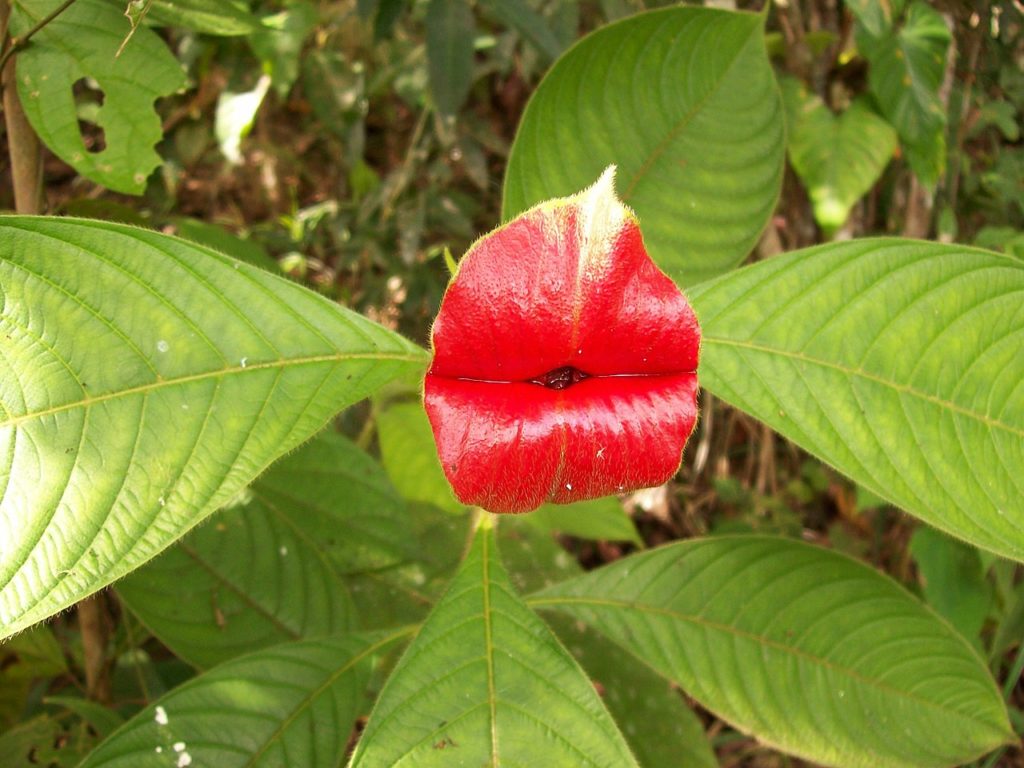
pixel 562 436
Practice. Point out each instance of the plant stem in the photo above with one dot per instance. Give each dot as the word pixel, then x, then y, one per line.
pixel 19 42
pixel 22 142
pixel 92 625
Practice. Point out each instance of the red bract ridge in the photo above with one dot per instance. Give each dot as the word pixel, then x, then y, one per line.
pixel 564 360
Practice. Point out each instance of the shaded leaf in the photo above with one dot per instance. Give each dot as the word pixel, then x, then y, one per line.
pixel 518 15
pixel 193 371
pixel 953 580
pixel 294 704
pixel 247 580
pixel 83 43
pixel 898 362
pixel 652 714
pixel 450 33
pixel 597 519
pixel 808 650
pixel 683 100
pixel 486 683
pixel 907 63
pixel 837 157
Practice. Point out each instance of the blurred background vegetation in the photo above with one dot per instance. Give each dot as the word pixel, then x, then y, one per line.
pixel 348 143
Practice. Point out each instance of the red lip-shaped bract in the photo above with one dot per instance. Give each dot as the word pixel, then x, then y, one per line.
pixel 564 360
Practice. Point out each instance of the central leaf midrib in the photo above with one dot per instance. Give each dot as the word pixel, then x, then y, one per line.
pixel 699 621
pixel 208 376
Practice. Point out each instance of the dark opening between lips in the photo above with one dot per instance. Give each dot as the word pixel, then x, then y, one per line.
pixel 560 378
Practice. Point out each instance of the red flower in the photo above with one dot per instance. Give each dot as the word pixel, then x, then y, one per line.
pixel 564 360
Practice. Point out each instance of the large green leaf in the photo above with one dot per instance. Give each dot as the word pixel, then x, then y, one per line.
pixel 808 650
pixel 838 157
pixel 247 580
pixel 683 100
pixel 898 362
pixel 83 42
pixel 486 683
pixel 294 704
pixel 143 382
pixel 658 725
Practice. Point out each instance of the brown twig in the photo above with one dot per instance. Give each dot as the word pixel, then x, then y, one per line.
pixel 92 623
pixel 22 142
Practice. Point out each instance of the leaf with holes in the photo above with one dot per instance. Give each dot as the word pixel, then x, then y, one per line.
pixel 294 704
pixel 684 102
pixel 248 579
pixel 806 649
pixel 898 362
pixel 143 382
pixel 83 42
pixel 486 683
pixel 838 157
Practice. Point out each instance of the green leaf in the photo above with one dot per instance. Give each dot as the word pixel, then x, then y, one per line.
pixel 450 34
pixel 656 721
pixel 410 456
pixel 24 660
pixel 897 362
pixel 875 16
pixel 907 64
pixel 82 43
pixel 293 704
pixel 518 15
pixel 143 382
pixel 684 102
pixel 247 580
pixel 486 683
pixel 657 724
pixel 953 580
pixel 598 519
pixel 220 239
pixel 403 594
pixel 341 501
pixel 101 719
pixel 838 158
pixel 211 17
pixel 808 650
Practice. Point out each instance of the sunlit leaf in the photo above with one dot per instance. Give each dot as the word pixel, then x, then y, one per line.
pixel 684 102
pixel 897 362
pixel 191 370
pixel 808 650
